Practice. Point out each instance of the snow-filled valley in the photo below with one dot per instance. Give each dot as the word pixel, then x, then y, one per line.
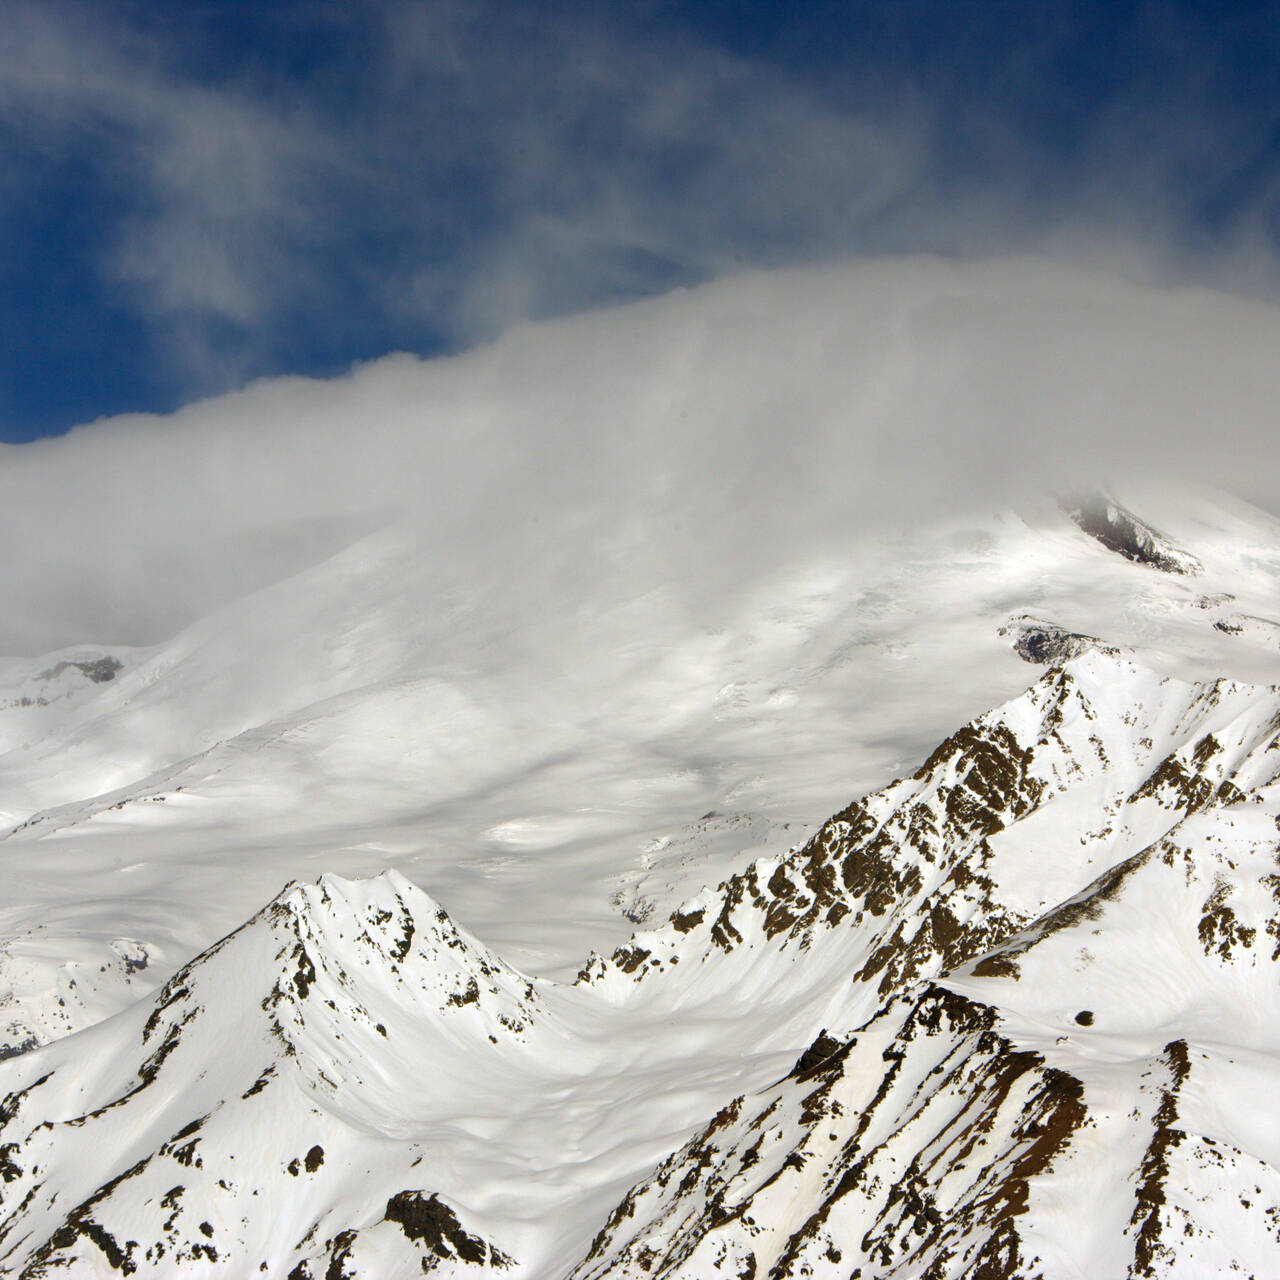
pixel 900 901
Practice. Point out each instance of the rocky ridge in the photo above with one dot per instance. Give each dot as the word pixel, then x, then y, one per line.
pixel 1035 980
pixel 1120 530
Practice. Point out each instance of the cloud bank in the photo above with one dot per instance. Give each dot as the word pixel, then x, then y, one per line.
pixel 233 191
pixel 695 440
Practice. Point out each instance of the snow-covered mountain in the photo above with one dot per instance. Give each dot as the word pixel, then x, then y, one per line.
pixel 1035 979
pixel 554 767
pixel 577 640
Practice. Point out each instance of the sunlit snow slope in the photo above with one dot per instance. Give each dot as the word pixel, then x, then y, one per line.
pixel 1037 979
pixel 588 632
pixel 542 764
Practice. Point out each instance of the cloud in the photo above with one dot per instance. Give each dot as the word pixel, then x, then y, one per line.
pixel 427 174
pixel 608 167
pixel 202 175
pixel 470 169
pixel 691 444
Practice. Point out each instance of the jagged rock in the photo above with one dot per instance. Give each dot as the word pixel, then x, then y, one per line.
pixel 869 1053
pixel 1119 530
pixel 926 1096
pixel 1046 643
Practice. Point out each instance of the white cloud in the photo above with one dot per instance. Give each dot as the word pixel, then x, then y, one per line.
pixel 691 441
pixel 464 167
pixel 206 187
pixel 475 167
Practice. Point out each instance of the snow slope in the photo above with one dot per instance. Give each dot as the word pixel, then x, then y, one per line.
pixel 1036 979
pixel 588 632
pixel 543 763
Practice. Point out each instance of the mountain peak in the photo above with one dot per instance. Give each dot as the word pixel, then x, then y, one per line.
pixel 896 1044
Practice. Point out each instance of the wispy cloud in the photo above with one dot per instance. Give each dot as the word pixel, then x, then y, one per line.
pixel 211 194
pixel 204 185
pixel 439 171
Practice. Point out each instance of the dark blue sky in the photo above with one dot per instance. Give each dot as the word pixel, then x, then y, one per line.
pixel 196 195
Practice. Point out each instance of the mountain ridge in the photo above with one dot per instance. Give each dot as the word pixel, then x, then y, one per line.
pixel 898 930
